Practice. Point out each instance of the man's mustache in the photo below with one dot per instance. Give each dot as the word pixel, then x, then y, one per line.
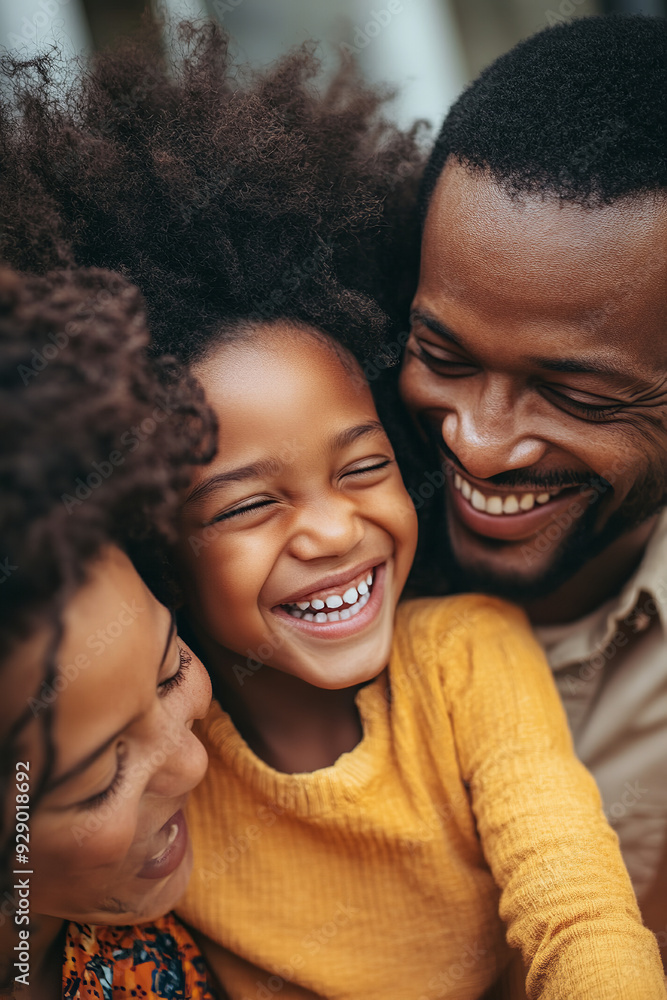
pixel 525 480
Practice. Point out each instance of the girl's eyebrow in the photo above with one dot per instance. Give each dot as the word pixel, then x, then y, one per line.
pixel 92 757
pixel 352 434
pixel 269 467
pixel 256 470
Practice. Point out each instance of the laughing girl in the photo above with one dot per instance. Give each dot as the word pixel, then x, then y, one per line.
pixel 381 785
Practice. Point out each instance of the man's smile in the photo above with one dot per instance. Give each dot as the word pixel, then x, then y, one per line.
pixel 511 515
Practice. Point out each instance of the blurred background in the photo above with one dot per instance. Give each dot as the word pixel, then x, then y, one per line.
pixel 429 49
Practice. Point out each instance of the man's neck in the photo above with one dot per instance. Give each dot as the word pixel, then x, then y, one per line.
pixel 600 579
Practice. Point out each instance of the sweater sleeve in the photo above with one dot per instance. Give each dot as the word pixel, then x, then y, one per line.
pixel 566 897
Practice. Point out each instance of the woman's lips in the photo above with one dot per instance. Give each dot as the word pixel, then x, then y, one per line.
pixel 521 526
pixel 175 832
pixel 342 629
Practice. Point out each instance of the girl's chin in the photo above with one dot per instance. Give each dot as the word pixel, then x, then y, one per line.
pixel 367 662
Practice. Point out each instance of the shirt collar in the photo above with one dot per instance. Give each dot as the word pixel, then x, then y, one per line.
pixel 578 641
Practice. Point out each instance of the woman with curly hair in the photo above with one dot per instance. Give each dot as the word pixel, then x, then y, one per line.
pixel 379 791
pixel 98 693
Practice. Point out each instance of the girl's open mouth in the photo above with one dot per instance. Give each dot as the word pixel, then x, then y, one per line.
pixel 335 612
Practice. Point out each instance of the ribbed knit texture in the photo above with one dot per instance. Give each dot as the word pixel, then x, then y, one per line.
pixel 368 879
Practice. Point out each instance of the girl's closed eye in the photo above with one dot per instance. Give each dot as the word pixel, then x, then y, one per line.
pixel 374 467
pixel 262 504
pixel 248 508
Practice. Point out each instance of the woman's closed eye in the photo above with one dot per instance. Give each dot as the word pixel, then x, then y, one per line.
pixel 97 800
pixel 164 688
pixel 184 661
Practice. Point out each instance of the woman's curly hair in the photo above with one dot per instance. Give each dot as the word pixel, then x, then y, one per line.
pixel 97 442
pixel 226 200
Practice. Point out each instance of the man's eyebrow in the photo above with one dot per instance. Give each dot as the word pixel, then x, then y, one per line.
pixel 431 323
pixel 579 366
pixel 268 468
pixel 567 366
pixel 99 751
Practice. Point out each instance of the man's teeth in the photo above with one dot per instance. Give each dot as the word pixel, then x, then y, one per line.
pixel 314 611
pixel 512 504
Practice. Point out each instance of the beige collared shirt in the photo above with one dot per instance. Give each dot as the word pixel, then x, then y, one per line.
pixel 611 671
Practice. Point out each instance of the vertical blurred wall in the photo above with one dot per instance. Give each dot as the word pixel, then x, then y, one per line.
pixel 428 49
pixel 489 28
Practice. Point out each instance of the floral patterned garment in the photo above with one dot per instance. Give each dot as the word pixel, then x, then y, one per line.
pixel 157 961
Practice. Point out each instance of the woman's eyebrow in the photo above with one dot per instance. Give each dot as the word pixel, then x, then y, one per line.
pixel 79 768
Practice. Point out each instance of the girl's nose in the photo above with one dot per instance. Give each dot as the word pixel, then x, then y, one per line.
pixel 329 530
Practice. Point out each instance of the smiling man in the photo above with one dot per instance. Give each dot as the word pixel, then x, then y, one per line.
pixel 537 367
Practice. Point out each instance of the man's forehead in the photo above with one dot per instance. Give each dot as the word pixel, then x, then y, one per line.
pixel 479 208
pixel 511 261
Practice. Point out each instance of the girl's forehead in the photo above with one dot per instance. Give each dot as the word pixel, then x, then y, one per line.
pixel 283 366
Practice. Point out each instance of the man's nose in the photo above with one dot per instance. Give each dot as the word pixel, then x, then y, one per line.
pixel 490 432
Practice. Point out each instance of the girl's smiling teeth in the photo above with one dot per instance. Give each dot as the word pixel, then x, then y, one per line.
pixel 334 606
pixel 514 503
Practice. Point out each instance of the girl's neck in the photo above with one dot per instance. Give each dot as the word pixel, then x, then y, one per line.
pixel 290 724
pixel 46 943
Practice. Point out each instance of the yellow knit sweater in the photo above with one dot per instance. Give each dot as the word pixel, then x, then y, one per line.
pixel 381 877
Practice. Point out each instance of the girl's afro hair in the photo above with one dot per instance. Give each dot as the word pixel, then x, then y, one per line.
pixel 226 200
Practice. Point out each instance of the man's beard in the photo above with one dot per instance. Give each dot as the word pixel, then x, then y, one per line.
pixel 645 500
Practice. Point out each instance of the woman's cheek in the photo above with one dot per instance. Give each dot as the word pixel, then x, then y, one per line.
pixel 93 839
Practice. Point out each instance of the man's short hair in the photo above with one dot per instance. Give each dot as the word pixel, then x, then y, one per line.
pixel 577 112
